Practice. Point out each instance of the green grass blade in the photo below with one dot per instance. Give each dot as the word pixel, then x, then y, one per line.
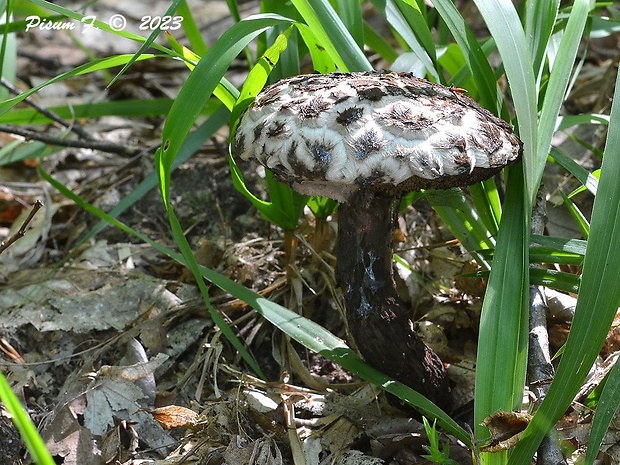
pixel 258 76
pixel 502 344
pixel 559 280
pixel 505 26
pixel 127 108
pixel 605 410
pixel 379 44
pixel 599 296
pixel 191 145
pixel 305 331
pixel 552 255
pixel 463 221
pixel 192 31
pixel 183 245
pixel 396 19
pixel 580 219
pixel 576 246
pixel 488 204
pixel 476 60
pixel 97 65
pixel 325 18
pixel 567 121
pixel 148 42
pixel 416 19
pixel 556 88
pixel 587 179
pixel 26 429
pixel 321 59
pixel 540 19
pixel 350 13
pixel 200 85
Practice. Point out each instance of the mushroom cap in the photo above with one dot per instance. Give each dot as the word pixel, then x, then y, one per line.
pixel 334 134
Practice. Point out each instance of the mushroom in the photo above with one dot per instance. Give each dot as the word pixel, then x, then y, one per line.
pixel 365 139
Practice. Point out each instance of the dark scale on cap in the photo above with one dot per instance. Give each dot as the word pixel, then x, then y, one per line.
pixel 313 108
pixel 397 91
pixel 369 180
pixel 320 152
pixel 349 115
pixel 258 130
pixel 317 83
pixel 488 139
pixel 367 143
pixel 460 144
pixel 277 128
pixel 374 94
pixel 422 88
pixel 268 96
pixel 401 116
pixel 453 112
pixel 239 145
pixel 462 163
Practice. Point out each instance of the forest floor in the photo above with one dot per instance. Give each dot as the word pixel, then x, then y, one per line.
pixel 109 344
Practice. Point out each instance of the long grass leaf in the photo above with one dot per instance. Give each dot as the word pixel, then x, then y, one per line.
pixel 395 18
pixel 332 35
pixel 575 246
pixel 379 44
pixel 321 59
pixel 22 421
pixel 556 88
pixel 504 24
pixel 97 65
pixel 350 14
pixel 598 301
pixel 200 85
pixel 127 108
pixel 605 410
pixel 540 19
pixel 185 251
pixel 586 178
pixel 146 43
pixel 345 43
pixel 192 31
pixel 416 19
pixel 488 90
pixel 502 344
pixel 304 331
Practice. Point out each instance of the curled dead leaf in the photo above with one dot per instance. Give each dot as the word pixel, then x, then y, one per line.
pixel 506 430
pixel 173 416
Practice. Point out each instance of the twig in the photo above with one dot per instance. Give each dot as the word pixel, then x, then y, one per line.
pixel 540 371
pixel 22 230
pixel 86 144
pixel 74 127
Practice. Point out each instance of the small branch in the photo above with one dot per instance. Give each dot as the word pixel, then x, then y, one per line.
pixel 87 144
pixel 540 371
pixel 22 230
pixel 74 127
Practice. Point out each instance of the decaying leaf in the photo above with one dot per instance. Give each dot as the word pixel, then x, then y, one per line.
pixel 506 430
pixel 173 416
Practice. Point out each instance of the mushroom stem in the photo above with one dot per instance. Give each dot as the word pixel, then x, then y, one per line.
pixel 377 317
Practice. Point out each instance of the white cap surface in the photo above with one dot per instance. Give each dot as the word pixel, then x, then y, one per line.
pixel 333 134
